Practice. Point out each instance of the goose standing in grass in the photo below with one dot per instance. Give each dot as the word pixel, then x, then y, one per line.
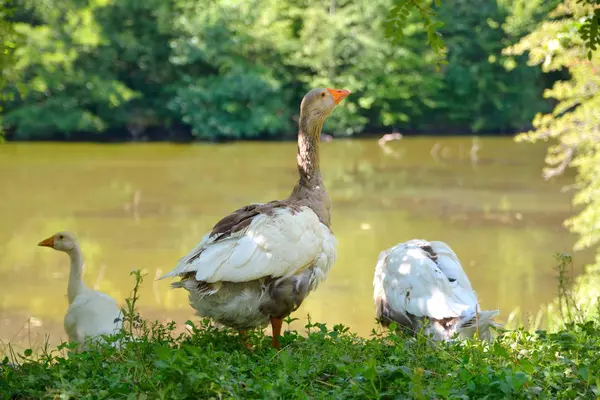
pixel 420 280
pixel 260 262
pixel 91 313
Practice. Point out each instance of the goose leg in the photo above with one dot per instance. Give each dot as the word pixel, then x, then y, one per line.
pixel 276 325
pixel 244 338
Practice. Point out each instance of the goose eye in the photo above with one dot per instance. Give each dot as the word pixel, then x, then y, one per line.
pixel 323 94
pixel 61 237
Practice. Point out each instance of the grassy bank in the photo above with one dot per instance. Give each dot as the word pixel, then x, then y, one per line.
pixel 324 363
pixel 327 363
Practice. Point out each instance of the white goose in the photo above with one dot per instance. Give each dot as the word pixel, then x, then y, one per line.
pixel 91 313
pixel 260 262
pixel 420 280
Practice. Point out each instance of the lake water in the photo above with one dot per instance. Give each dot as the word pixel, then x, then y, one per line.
pixel 145 205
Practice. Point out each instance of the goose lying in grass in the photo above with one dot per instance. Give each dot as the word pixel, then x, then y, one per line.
pixel 91 313
pixel 260 262
pixel 420 280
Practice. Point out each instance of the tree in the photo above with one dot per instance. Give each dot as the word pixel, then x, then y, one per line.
pixel 237 69
pixel 399 14
pixel 63 94
pixel 482 89
pixel 396 85
pixel 233 79
pixel 574 124
pixel 7 48
pixel 589 26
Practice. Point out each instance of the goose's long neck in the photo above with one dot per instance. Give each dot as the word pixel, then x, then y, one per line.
pixel 310 189
pixel 309 139
pixel 76 285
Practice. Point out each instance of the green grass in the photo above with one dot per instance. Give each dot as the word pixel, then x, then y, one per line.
pixel 326 363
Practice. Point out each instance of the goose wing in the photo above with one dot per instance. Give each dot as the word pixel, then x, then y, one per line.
pixel 450 265
pixel 276 239
pixel 413 283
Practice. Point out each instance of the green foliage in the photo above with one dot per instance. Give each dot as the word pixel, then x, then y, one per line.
pixel 327 363
pixel 236 69
pixel 149 360
pixel 524 16
pixel 578 300
pixel 63 93
pixel 573 127
pixel 9 42
pixel 355 54
pixel 482 88
pixel 237 94
pixel 398 17
pixel 233 69
pixel 589 30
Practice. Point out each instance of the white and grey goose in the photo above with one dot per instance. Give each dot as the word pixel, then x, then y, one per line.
pixel 419 280
pixel 260 262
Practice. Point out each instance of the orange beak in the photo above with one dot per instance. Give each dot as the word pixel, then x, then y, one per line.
pixel 47 242
pixel 338 94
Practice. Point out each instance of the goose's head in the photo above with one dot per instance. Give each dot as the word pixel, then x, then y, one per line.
pixel 320 102
pixel 61 241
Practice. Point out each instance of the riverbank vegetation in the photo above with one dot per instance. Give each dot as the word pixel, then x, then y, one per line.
pixel 182 69
pixel 326 362
pixel 573 125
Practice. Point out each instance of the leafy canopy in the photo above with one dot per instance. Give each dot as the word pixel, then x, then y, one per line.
pixel 573 127
pixel 237 69
pixel 589 26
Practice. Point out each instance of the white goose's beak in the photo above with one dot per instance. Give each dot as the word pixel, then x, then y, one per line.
pixel 49 242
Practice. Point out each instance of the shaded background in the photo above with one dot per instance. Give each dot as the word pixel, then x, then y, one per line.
pixel 229 69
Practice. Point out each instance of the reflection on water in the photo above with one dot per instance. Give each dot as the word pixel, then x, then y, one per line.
pixel 146 205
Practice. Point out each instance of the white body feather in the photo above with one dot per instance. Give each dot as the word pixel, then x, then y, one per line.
pixel 411 286
pixel 291 246
pixel 90 315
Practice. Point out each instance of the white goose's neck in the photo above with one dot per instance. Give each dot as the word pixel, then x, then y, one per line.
pixel 76 285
